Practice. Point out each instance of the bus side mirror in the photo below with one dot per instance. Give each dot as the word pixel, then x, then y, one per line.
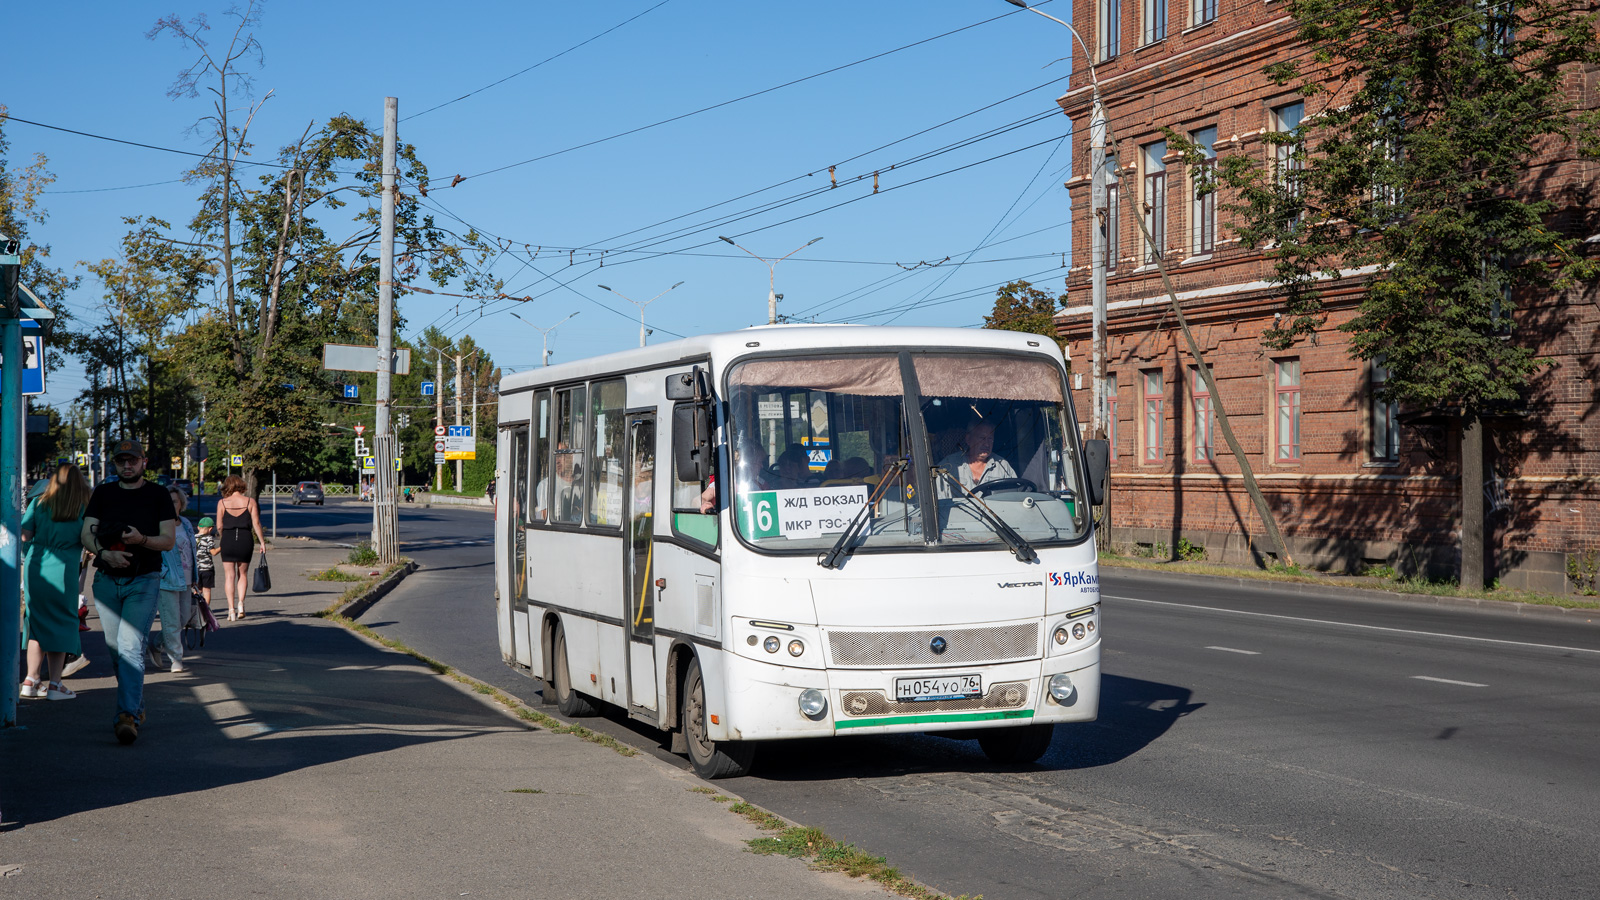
pixel 688 385
pixel 691 441
pixel 1097 454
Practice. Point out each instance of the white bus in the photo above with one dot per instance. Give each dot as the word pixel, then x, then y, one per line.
pixel 804 531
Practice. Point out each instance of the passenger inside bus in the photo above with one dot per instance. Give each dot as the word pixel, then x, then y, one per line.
pixel 568 489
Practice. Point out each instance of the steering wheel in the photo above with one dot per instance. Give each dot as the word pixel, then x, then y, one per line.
pixel 1005 484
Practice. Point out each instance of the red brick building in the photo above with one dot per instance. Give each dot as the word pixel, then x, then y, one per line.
pixel 1354 482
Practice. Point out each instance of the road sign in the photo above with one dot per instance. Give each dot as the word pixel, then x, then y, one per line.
pixel 236 460
pixel 438 459
pixel 427 389
pixel 459 447
pixel 32 358
pixel 397 463
pixel 356 358
pixel 352 391
pixel 459 431
pixel 438 446
pixel 360 428
pixel 177 461
pixel 369 465
pixel 438 431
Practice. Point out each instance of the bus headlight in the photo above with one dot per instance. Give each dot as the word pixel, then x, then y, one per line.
pixel 1061 635
pixel 1061 688
pixel 813 703
pixel 796 648
pixel 1078 631
pixel 771 644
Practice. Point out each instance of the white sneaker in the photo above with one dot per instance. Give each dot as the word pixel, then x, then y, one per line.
pixel 178 668
pixel 74 667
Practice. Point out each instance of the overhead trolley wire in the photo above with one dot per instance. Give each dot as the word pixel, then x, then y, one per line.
pixel 752 95
pixel 539 63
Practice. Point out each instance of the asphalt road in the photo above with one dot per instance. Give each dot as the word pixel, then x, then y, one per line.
pixel 1250 744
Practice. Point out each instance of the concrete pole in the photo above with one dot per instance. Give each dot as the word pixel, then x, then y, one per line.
pixel 438 411
pixel 1098 244
pixel 459 484
pixel 1472 530
pixel 383 508
pixel 94 432
pixel 11 491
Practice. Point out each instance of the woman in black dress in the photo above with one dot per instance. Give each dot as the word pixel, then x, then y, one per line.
pixel 238 519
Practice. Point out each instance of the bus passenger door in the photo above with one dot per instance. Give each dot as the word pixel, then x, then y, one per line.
pixel 515 496
pixel 639 566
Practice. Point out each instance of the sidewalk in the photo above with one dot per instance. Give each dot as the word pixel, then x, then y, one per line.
pixel 297 759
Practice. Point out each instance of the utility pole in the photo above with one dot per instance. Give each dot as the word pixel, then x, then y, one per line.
pixel 11 426
pixel 544 336
pixel 383 508
pixel 1098 247
pixel 95 475
pixel 772 279
pixel 438 410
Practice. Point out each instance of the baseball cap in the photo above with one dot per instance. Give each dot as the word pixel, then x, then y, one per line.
pixel 127 447
pixel 207 521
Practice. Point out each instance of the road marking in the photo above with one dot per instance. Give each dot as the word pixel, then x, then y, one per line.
pixel 1459 637
pixel 1448 681
pixel 1232 650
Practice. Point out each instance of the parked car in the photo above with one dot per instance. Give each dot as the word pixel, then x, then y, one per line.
pixel 185 485
pixel 308 492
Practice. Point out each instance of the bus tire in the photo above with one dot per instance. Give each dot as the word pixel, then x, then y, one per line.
pixel 1017 746
pixel 568 701
pixel 711 759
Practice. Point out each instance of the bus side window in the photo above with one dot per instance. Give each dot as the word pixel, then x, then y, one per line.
pixel 608 398
pixel 687 519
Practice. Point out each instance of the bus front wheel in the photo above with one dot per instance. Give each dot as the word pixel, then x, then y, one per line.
pixel 568 701
pixel 711 759
pixel 1017 746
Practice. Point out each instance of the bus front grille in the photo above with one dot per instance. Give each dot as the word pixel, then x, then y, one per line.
pixel 915 648
pixel 1010 695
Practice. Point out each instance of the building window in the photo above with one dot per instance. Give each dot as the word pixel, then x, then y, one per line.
pixel 1113 220
pixel 1202 178
pixel 1155 198
pixel 1203 11
pixel 1155 21
pixel 1111 413
pixel 1385 428
pixel 1204 417
pixel 1110 24
pixel 1155 413
pixel 1287 380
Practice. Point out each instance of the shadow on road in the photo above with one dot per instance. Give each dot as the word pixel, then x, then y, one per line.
pixel 269 697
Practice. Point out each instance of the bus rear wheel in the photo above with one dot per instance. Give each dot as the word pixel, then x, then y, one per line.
pixel 568 701
pixel 1017 746
pixel 711 759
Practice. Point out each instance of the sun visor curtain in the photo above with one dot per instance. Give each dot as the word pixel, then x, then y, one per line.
pixel 991 377
pixel 867 376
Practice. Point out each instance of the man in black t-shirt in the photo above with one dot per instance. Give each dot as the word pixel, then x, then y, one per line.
pixel 128 524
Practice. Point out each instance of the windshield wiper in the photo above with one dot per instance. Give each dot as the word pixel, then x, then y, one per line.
pixel 834 558
pixel 1019 546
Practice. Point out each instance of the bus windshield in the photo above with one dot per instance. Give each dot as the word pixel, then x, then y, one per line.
pixel 816 439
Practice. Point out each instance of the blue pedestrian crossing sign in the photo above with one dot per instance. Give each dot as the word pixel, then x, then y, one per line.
pixel 352 391
pixel 427 389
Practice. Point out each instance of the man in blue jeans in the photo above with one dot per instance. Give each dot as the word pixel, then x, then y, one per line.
pixel 127 525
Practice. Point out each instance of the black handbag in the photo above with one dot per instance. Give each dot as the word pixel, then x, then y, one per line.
pixel 263 580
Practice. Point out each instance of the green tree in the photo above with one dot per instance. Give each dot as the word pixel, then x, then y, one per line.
pixel 20 208
pixel 1019 306
pixel 283 285
pixel 1420 162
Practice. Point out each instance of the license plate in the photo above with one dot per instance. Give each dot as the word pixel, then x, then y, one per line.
pixel 938 687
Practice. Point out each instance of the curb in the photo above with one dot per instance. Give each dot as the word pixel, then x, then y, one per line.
pixel 1369 595
pixel 361 604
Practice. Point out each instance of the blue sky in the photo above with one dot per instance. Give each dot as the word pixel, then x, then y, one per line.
pixel 91 68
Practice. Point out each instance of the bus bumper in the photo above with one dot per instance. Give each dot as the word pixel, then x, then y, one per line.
pixel 763 700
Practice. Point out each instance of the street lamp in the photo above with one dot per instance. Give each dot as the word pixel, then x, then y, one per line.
pixel 544 335
pixel 642 332
pixel 772 265
pixel 1097 230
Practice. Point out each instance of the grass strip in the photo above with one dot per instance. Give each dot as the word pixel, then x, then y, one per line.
pixel 825 854
pixel 1282 575
pixel 517 707
pixel 333 574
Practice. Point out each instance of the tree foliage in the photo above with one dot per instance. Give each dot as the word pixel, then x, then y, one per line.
pixel 1019 306
pixel 20 209
pixel 1417 161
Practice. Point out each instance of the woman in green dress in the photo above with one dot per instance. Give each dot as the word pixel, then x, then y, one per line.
pixel 50 531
